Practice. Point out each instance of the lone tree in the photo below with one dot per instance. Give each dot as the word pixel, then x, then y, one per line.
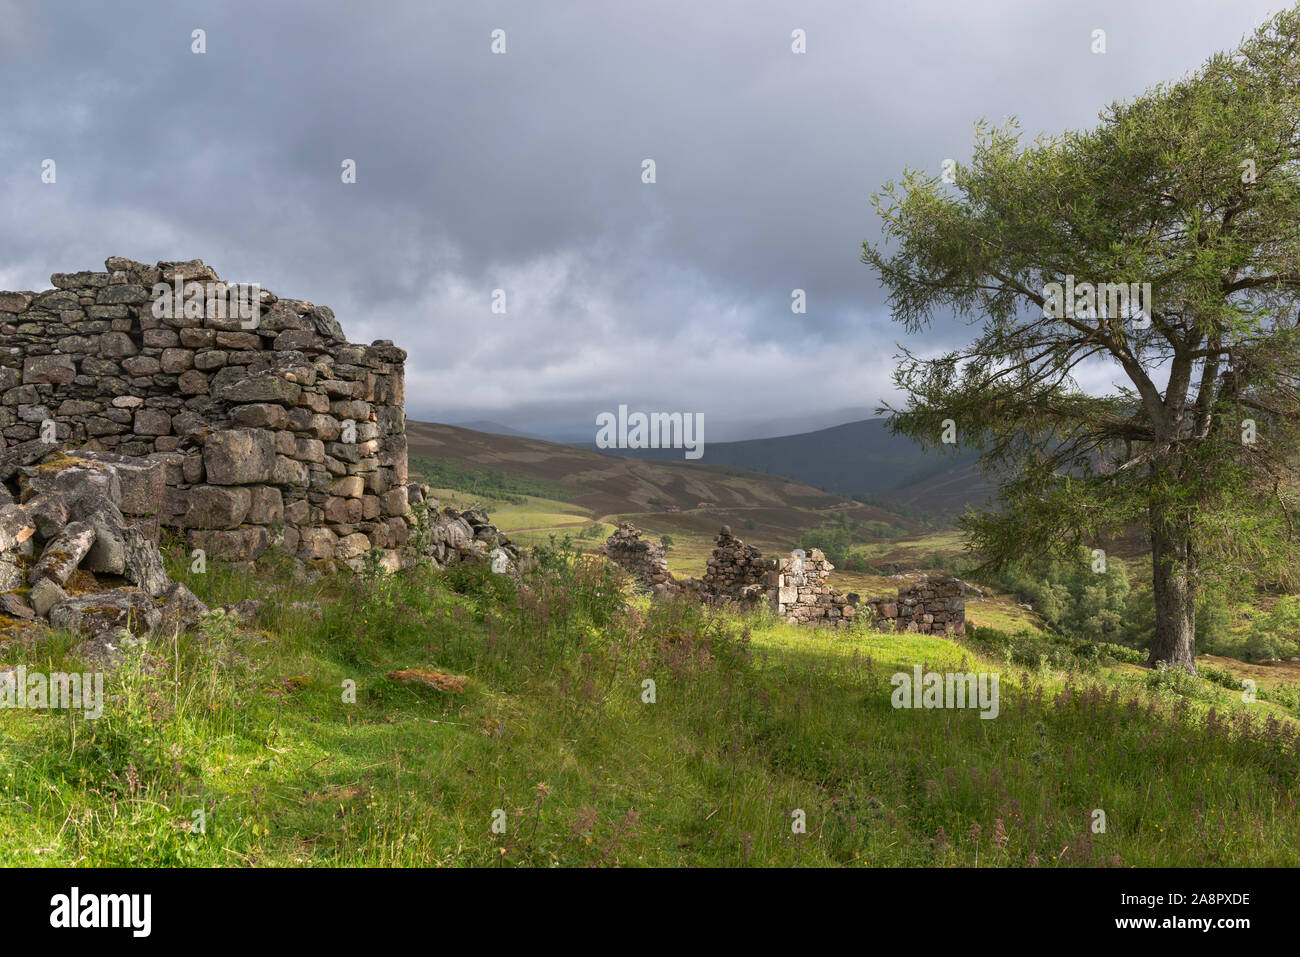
pixel 1192 188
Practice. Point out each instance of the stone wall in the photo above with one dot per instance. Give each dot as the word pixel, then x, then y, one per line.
pixel 932 606
pixel 802 595
pixel 268 430
pixel 734 570
pixel 643 559
pixel 797 588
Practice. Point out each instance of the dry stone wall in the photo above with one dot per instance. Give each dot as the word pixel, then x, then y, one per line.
pixel 797 588
pixel 269 429
pixel 931 606
pixel 802 594
pixel 644 560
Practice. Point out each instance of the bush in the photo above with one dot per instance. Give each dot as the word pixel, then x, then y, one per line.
pixel 1079 602
pixel 1275 633
pixel 1030 650
pixel 835 541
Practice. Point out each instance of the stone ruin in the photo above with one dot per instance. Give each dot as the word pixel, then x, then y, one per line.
pixel 68 523
pixel 735 571
pixel 644 559
pixel 801 594
pixel 931 606
pixel 144 397
pixel 271 428
pixel 795 588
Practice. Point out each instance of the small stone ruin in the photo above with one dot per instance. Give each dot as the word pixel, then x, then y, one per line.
pixel 802 594
pixel 273 429
pixel 644 559
pixel 158 396
pixel 931 606
pixel 796 588
pixel 735 570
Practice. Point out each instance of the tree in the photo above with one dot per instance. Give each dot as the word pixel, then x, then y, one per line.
pixel 1192 188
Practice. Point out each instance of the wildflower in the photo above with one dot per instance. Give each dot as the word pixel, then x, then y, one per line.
pixel 999 834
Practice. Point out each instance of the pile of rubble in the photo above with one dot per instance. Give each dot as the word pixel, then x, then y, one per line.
pixel 447 536
pixel 74 548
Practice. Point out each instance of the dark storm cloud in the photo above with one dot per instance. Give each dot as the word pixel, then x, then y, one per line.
pixel 522 172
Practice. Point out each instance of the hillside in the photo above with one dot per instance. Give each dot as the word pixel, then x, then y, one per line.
pixel 608 484
pixel 856 458
pixel 948 492
pixel 536 489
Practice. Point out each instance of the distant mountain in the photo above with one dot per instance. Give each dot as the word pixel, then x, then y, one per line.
pixel 583 432
pixel 855 458
pixel 947 492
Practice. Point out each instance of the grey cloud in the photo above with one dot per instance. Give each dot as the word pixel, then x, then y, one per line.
pixel 523 171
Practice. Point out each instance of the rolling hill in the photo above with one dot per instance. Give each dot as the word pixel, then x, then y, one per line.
pixel 612 484
pixel 560 488
pixel 851 459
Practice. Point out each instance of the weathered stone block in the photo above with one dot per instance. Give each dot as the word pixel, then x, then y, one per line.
pixel 260 388
pixel 239 457
pixel 217 506
pixel 55 370
pixel 266 506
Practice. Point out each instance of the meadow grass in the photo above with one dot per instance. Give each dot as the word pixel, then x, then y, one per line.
pixel 753 721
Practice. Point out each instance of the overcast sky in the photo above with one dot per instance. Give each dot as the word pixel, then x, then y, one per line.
pixel 523 172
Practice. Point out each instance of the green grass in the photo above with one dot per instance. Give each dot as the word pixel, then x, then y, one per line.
pixel 753 720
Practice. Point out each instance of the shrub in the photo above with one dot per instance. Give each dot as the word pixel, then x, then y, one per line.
pixel 1275 633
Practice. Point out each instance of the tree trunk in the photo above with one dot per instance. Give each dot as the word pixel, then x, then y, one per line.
pixel 1174 642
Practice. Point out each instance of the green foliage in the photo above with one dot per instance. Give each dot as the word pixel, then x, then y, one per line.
pixel 834 541
pixel 1276 633
pixel 1038 651
pixel 246 721
pixel 1155 194
pixel 1074 599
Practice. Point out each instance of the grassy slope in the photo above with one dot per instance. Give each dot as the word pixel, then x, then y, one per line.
pixel 752 722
